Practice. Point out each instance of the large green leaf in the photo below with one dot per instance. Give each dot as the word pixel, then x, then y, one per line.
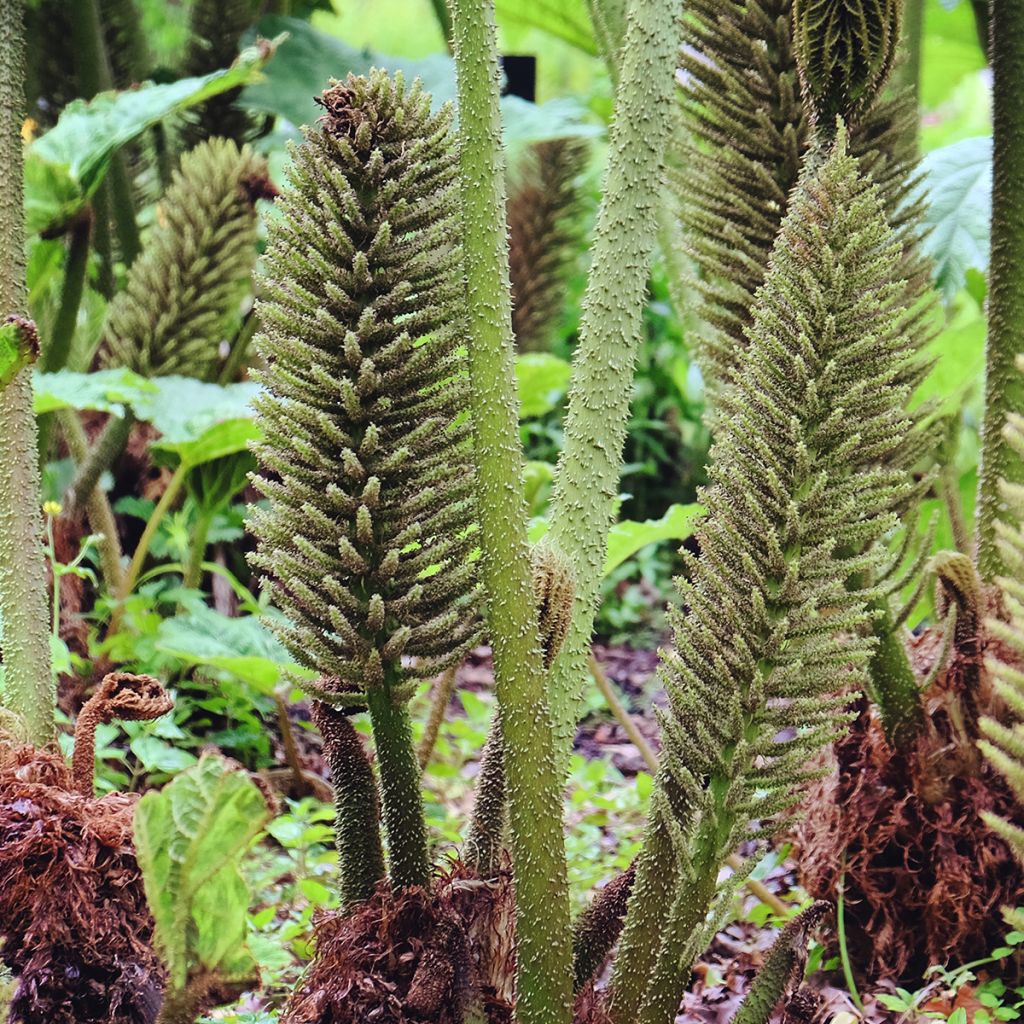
pixel 958 180
pixel 241 646
pixel 199 422
pixel 626 538
pixel 309 58
pixel 106 390
pixel 64 167
pixel 189 839
pixel 565 19
pixel 542 380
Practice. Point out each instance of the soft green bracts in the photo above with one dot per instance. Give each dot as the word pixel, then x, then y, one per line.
pixel 368 539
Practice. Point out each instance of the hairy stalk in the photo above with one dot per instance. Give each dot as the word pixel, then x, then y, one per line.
pixel 367 543
pixel 597 929
pixel 544 959
pixel 587 477
pixel 356 804
pixel 783 967
pixel 97 506
pixel 28 680
pixel 217 27
pixel 1004 386
pixel 98 458
pixel 803 494
pixel 55 353
pixel 486 832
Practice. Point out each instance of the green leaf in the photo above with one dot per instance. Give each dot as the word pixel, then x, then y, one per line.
pixel 64 167
pixel 106 390
pixel 198 421
pixel 542 380
pixel 959 351
pixel 958 180
pixel 242 646
pixel 958 1016
pixel 626 538
pixel 157 755
pixel 309 58
pixel 189 838
pixel 567 20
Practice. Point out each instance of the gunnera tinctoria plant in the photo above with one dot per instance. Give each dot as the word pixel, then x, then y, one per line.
pixel 368 540
pixel 774 628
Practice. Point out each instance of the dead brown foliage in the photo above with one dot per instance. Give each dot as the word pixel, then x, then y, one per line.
pixel 924 878
pixel 77 931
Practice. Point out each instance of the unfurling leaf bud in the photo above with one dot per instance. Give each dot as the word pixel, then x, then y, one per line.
pixel 845 51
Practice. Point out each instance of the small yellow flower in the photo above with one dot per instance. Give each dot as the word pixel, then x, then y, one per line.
pixel 52 508
pixel 28 129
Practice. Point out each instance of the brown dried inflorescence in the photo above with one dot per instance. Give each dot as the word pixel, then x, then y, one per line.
pixel 77 930
pixel 924 878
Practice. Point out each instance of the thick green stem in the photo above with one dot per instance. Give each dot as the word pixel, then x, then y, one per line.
pixel 357 809
pixel 101 456
pixel 587 480
pixel 909 72
pixel 94 75
pixel 404 824
pixel 97 507
pixel 544 961
pixel 28 680
pixel 894 686
pixel 193 575
pixel 1004 385
pixel 55 354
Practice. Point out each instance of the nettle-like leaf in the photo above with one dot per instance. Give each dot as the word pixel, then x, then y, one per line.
pixel 806 479
pixel 747 132
pixel 368 539
pixel 186 285
pixel 846 50
pixel 189 838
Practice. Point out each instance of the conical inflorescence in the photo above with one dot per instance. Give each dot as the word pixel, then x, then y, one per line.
pixel 186 286
pixel 368 541
pixel 774 631
pixel 748 132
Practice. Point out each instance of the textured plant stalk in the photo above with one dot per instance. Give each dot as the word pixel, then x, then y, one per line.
pixel 29 684
pixel 356 806
pixel 100 457
pixel 487 826
pixel 97 506
pixel 587 477
pixel 544 960
pixel 894 687
pixel 404 824
pixel 1004 386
